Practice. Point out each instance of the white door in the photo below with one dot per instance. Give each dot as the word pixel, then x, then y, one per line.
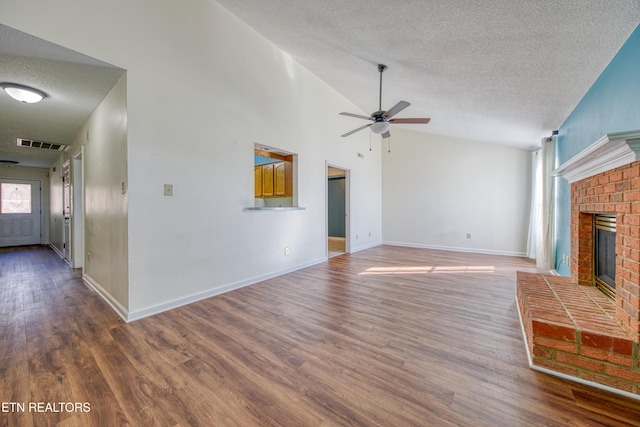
pixel 19 212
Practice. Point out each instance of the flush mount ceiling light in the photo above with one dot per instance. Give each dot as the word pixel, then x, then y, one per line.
pixel 23 93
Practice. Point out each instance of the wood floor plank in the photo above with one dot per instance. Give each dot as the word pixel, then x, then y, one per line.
pixel 389 336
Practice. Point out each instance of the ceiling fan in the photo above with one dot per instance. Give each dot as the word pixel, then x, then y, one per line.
pixel 382 120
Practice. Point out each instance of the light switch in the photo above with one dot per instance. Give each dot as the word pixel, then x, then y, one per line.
pixel 168 189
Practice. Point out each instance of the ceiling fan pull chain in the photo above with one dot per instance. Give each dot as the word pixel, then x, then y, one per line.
pixel 370 139
pixel 389 146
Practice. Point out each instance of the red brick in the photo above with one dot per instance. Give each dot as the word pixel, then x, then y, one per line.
pixel 624 373
pixel 632 196
pixel 555 366
pixel 554 331
pixel 565 346
pixel 578 361
pixel 606 356
pixel 632 171
pixel 608 343
pixel 542 352
pixel 615 176
pixel 631 220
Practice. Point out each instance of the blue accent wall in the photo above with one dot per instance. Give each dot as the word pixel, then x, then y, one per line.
pixel 611 105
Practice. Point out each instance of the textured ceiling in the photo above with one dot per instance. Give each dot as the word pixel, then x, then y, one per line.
pixel 497 71
pixel 505 72
pixel 75 85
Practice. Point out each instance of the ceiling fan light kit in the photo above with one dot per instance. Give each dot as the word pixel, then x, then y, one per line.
pixel 24 94
pixel 380 127
pixel 382 120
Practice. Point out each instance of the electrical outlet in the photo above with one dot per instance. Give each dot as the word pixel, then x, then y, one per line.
pixel 168 189
pixel 369 234
pixel 287 251
pixel 468 235
pixel 356 237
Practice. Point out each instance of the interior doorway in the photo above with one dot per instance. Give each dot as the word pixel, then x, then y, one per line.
pixel 337 211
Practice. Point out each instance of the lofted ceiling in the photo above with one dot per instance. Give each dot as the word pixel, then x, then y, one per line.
pixel 497 71
pixel 500 71
pixel 75 85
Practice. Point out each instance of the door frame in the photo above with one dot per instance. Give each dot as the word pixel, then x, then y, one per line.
pixel 77 209
pixel 67 228
pixel 347 207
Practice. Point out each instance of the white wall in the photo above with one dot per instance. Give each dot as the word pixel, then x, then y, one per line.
pixel 437 189
pixel 202 89
pixel 56 206
pixel 104 139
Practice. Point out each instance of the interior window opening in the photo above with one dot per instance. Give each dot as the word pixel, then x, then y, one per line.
pixel 274 177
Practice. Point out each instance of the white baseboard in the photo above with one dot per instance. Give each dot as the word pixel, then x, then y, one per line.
pixel 362 248
pixel 456 249
pixel 565 376
pixel 169 305
pixel 56 250
pixel 109 299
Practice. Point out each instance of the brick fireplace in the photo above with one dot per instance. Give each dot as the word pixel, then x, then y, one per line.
pixel 570 327
pixel 613 192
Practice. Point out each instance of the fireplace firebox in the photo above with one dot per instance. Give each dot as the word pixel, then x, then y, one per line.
pixel 604 254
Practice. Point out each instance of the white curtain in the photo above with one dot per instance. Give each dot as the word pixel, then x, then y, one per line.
pixel 541 243
pixel 534 239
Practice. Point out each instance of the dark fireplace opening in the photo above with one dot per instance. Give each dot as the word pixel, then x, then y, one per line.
pixel 604 254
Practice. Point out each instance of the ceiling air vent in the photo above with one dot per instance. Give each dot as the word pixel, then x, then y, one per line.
pixel 39 144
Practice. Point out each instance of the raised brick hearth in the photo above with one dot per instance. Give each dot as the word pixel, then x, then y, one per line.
pixel 571 327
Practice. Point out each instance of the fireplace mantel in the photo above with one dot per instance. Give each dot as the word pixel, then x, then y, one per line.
pixel 609 152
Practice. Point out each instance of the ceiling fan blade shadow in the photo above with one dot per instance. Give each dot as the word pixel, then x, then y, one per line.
pixel 387 134
pixel 395 109
pixel 406 121
pixel 356 130
pixel 359 116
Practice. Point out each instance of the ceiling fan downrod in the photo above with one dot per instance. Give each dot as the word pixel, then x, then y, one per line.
pixel 381 68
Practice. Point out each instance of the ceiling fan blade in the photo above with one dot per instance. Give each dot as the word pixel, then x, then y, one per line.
pixel 422 120
pixel 387 134
pixel 356 130
pixel 395 109
pixel 359 116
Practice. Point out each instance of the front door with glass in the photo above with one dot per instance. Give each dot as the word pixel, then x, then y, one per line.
pixel 19 212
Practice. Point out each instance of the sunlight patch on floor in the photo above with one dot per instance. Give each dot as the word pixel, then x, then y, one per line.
pixel 430 269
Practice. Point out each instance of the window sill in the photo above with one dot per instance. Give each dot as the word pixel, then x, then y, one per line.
pixel 284 208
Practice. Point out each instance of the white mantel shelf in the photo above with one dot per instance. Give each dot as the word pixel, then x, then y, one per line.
pixel 609 152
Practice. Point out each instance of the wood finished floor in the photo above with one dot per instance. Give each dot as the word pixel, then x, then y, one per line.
pixel 385 337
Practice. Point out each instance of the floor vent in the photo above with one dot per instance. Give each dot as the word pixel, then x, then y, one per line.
pixel 39 144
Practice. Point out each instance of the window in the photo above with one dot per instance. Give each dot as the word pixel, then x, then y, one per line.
pixel 274 177
pixel 15 198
